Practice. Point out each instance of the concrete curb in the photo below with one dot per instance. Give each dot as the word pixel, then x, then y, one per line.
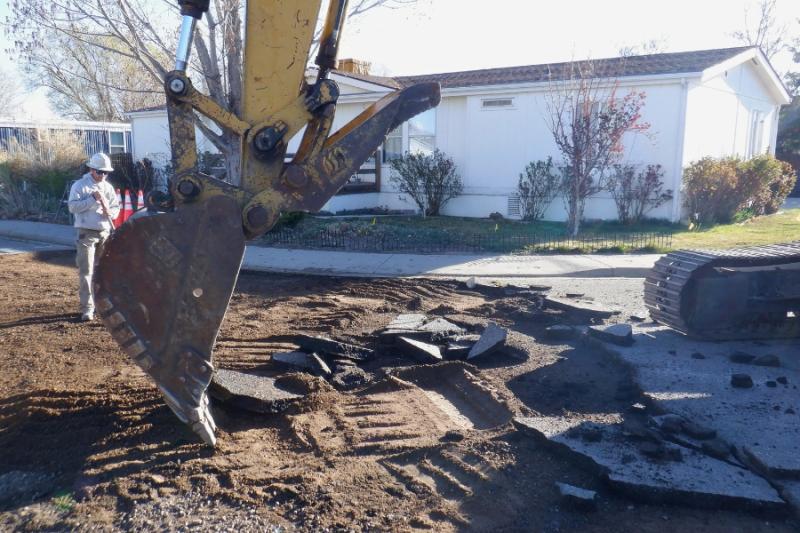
pixel 38 232
pixel 630 272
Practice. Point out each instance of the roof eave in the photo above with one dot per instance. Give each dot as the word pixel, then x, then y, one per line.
pixel 763 66
pixel 145 112
pixel 509 88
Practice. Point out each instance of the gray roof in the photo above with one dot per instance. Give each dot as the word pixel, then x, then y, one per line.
pixel 645 65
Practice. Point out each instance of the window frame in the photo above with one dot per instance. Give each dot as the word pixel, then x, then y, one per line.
pixel 112 146
pixel 511 106
pixel 406 137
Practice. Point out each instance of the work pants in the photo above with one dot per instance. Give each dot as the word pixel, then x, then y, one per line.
pixel 90 247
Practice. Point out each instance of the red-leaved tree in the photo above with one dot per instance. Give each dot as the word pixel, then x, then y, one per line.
pixel 588 121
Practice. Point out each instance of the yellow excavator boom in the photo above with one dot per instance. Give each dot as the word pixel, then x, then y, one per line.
pixel 164 281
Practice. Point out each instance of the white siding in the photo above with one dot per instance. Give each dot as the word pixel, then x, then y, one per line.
pixel 720 112
pixel 492 147
pixel 151 137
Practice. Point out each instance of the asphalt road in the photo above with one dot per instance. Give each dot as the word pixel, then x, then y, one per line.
pixel 625 294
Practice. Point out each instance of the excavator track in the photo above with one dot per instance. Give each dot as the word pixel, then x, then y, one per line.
pixel 744 293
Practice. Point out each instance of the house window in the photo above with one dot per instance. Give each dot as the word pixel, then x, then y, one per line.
pixel 393 146
pixel 116 144
pixel 422 133
pixel 497 103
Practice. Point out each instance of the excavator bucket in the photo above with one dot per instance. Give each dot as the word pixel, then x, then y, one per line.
pixel 162 289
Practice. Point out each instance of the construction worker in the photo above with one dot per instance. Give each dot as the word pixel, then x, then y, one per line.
pixel 95 205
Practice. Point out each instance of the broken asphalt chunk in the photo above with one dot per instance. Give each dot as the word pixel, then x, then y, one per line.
pixel 349 377
pixel 408 321
pixel 698 431
pixel 492 338
pixel 741 381
pixel 577 497
pixel 260 394
pixel 697 480
pixel 421 351
pixel 620 334
pixel 717 448
pixel 311 362
pixel 767 360
pixel 439 327
pixel 323 345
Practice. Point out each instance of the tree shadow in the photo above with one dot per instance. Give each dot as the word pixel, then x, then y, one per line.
pixel 84 438
pixel 68 318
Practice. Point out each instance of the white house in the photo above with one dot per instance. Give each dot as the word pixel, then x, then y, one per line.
pixel 492 123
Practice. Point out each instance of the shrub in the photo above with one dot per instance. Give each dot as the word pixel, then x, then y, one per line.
pixel 710 189
pixel 717 189
pixel 431 180
pixel 35 175
pixel 637 193
pixel 536 188
pixel 775 180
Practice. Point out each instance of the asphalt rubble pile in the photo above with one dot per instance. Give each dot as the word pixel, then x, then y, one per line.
pixel 709 424
pixel 411 338
pixel 657 451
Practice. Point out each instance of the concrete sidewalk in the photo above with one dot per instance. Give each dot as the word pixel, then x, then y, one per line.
pixel 264 259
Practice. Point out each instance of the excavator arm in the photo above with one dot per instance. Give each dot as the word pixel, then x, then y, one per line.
pixel 164 282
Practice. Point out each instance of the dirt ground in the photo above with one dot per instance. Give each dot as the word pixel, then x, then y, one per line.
pixel 87 442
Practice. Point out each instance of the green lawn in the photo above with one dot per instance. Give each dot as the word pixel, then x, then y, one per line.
pixel 435 234
pixel 783 226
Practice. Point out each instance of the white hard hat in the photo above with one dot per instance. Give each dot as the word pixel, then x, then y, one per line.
pixel 100 161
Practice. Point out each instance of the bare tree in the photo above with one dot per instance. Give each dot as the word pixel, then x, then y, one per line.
pixel 652 46
pixel 588 120
pixel 767 33
pixel 141 33
pixel 90 83
pixel 10 93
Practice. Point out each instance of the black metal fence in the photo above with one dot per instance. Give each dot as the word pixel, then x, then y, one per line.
pixel 539 242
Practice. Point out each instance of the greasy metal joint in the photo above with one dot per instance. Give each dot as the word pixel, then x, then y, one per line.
pixel 323 92
pixel 257 217
pixel 295 177
pixel 188 187
pixel 268 138
pixel 159 201
pixel 177 84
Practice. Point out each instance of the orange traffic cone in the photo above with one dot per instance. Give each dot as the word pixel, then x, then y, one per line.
pixel 140 200
pixel 119 220
pixel 127 211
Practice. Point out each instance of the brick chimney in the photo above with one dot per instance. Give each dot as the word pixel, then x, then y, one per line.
pixel 356 66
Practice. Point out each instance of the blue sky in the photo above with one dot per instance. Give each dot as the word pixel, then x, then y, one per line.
pixel 448 35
